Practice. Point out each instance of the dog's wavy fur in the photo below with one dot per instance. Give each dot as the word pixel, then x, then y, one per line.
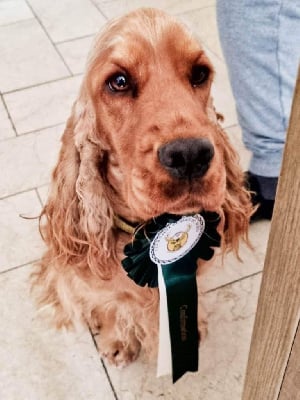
pixel 108 166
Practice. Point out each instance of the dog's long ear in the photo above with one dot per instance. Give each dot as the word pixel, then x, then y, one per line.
pixel 79 218
pixel 237 207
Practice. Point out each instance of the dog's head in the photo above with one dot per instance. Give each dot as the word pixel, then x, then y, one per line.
pixel 149 84
pixel 143 138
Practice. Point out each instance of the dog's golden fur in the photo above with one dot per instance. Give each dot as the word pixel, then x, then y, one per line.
pixel 108 166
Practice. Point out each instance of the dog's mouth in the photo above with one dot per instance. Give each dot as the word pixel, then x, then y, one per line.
pixel 174 196
pixel 189 189
pixel 187 199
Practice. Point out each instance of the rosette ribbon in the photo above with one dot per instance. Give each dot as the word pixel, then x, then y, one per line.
pixel 164 254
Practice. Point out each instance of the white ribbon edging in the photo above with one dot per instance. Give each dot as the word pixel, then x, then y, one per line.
pixel 164 358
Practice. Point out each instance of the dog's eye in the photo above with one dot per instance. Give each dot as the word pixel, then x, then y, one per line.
pixel 118 83
pixel 200 74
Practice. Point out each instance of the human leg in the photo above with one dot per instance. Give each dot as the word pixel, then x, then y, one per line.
pixel 260 41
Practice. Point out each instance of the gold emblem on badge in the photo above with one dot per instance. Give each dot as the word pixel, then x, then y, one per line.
pixel 177 241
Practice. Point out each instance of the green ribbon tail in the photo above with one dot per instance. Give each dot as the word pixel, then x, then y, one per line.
pixel 182 300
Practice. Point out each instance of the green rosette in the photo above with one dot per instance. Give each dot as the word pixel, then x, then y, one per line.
pixel 138 264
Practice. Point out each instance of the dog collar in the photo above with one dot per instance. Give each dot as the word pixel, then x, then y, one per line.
pixel 163 254
pixel 124 225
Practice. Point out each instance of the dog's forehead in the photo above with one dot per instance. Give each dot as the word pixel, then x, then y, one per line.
pixel 152 32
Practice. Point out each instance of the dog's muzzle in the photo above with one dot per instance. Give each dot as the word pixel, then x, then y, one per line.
pixel 186 158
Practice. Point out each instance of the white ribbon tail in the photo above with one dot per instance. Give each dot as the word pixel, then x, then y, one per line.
pixel 164 359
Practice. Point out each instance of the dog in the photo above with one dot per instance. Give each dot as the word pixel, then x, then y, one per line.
pixel 143 139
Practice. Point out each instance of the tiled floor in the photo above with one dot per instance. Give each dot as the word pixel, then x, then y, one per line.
pixel 43 44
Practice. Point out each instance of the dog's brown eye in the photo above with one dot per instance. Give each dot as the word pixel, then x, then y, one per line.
pixel 200 74
pixel 118 83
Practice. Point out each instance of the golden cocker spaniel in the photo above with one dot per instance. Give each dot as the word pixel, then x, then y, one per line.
pixel 142 140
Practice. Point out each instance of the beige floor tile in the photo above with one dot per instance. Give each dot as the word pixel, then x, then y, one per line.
pixel 13 11
pixel 42 106
pixel 27 56
pixel 235 135
pixel 6 129
pixel 203 23
pixel 223 355
pixel 26 162
pixel 222 93
pixel 38 363
pixel 179 7
pixel 259 236
pixel 113 8
pixel 230 269
pixel 43 192
pixel 68 19
pixel 116 8
pixel 75 53
pixel 20 242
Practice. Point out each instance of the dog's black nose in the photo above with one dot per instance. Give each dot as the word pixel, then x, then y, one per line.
pixel 186 158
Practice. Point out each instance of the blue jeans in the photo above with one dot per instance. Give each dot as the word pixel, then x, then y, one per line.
pixel 261 44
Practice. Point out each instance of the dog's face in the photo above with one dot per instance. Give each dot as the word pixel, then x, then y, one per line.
pixel 150 83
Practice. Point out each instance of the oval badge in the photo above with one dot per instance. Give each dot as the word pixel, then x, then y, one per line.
pixel 176 239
